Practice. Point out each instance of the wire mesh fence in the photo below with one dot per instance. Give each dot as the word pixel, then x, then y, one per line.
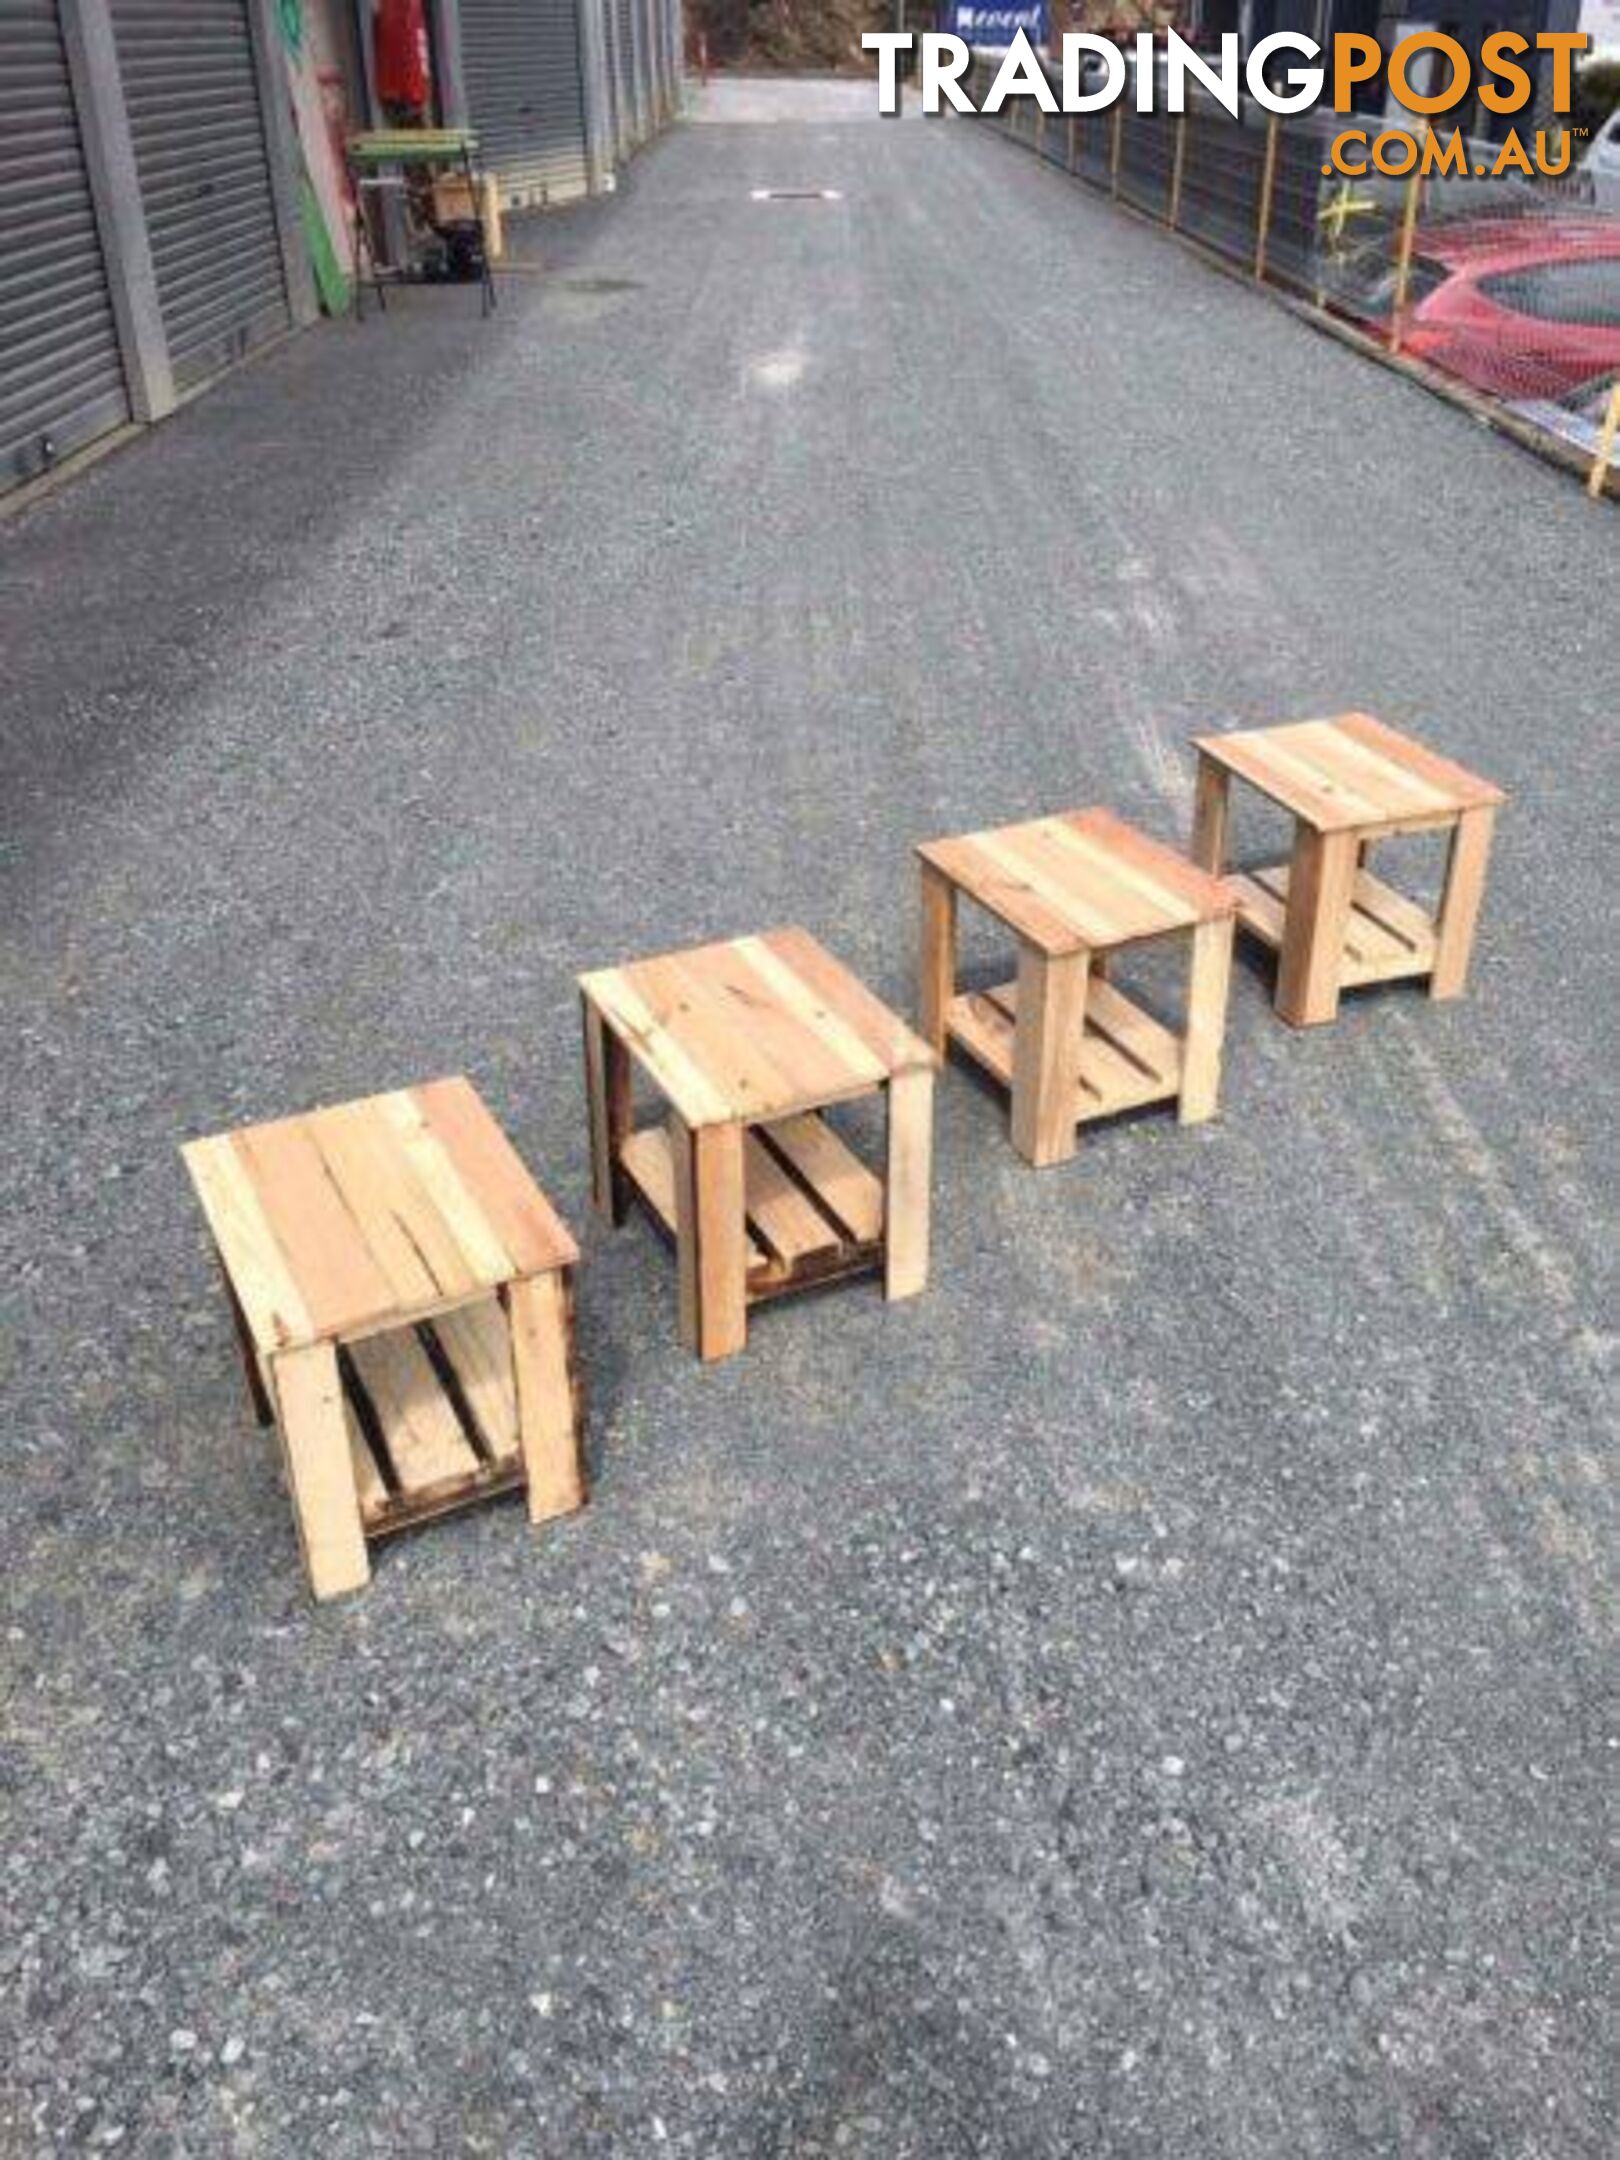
pixel 1502 285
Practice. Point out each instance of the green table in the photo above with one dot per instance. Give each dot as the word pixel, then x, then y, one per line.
pixel 377 159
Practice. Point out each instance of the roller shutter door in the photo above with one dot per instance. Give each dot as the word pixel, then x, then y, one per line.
pixel 616 32
pixel 624 27
pixel 61 369
pixel 193 97
pixel 521 63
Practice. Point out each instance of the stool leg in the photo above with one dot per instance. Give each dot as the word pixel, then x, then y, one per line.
pixel 315 1441
pixel 1320 881
pixel 710 1236
pixel 1046 1053
pixel 263 1408
pixel 540 1314
pixel 1459 905
pixel 607 1096
pixel 1206 1020
pixel 1210 816
pixel 937 984
pixel 907 1197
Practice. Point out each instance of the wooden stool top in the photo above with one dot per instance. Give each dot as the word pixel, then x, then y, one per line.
pixel 1340 775
pixel 754 1028
pixel 1082 881
pixel 372 1213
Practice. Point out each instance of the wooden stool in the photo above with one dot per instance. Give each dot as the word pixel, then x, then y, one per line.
pixel 749 1041
pixel 1348 782
pixel 1069 1045
pixel 403 1299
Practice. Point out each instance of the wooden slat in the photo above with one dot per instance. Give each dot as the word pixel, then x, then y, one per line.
pixel 1143 1039
pixel 1258 756
pixel 937 960
pixel 1010 891
pixel 817 1055
pixel 477 1344
pixel 1460 903
pixel 778 1213
pixel 842 1182
pixel 1259 908
pixel 494 1174
pixel 1046 1050
pixel 541 1336
pixel 1144 904
pixel 650 1165
pixel 370 1488
pixel 1114 908
pixel 896 1047
pixel 1126 1057
pixel 405 1233
pixel 1322 873
pixel 342 1285
pixel 909 1159
pixel 980 1026
pixel 258 1270
pixel 1150 1051
pixel 421 1432
pixel 711 1237
pixel 608 1095
pixel 1088 910
pixel 1386 935
pixel 669 1063
pixel 718 1039
pixel 487 1259
pixel 1113 1080
pixel 1164 871
pixel 1465 790
pixel 1372 771
pixel 1412 925
pixel 844 1061
pixel 320 1473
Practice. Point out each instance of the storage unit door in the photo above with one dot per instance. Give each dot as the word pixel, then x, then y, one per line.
pixel 193 98
pixel 521 63
pixel 61 369
pixel 624 35
pixel 618 68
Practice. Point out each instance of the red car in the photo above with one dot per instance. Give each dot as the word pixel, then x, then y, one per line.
pixel 1524 307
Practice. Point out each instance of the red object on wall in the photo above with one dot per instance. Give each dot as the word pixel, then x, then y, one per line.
pixel 404 72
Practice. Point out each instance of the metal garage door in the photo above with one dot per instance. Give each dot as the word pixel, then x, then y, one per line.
pixel 634 96
pixel 521 63
pixel 61 369
pixel 193 97
pixel 616 32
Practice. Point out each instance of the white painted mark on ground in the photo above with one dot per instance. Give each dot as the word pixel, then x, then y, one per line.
pixel 776 371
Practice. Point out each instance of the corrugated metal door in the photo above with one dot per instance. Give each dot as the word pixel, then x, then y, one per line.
pixel 646 65
pixel 193 97
pixel 521 63
pixel 61 369
pixel 616 30
pixel 624 26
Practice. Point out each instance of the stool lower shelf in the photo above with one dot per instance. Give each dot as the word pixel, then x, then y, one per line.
pixel 432 1416
pixel 1127 1058
pixel 814 1210
pixel 1386 936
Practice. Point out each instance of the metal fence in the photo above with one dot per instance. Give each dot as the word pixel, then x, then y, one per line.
pixel 1502 291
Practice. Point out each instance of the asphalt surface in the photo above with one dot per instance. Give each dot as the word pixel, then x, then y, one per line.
pixel 1148 1696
